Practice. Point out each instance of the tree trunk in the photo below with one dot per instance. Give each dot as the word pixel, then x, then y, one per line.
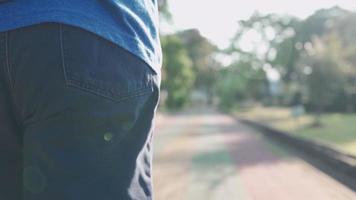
pixel 319 115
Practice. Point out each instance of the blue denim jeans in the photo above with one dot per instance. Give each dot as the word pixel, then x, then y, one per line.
pixel 76 116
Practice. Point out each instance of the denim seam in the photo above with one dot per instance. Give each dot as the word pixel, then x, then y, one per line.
pixel 2 50
pixel 62 52
pixel 88 85
pixel 7 63
pixel 73 82
pixel 111 97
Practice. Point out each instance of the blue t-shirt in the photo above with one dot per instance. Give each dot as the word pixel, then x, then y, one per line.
pixel 132 24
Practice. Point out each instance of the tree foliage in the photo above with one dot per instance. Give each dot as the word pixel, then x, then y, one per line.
pixel 201 52
pixel 178 76
pixel 315 56
pixel 238 83
pixel 326 78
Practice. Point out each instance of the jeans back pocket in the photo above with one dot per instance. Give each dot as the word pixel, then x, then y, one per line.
pixel 98 66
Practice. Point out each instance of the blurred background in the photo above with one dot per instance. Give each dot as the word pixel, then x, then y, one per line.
pixel 286 65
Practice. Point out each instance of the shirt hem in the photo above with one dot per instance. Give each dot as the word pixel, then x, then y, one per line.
pixel 114 35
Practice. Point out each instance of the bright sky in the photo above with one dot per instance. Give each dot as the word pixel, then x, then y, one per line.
pixel 217 19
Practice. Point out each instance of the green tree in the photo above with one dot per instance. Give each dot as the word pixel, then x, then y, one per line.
pixel 327 77
pixel 281 42
pixel 177 73
pixel 268 40
pixel 201 51
pixel 239 83
pixel 164 12
pixel 346 28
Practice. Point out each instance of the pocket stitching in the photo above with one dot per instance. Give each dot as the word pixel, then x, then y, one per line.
pixel 88 87
pixel 106 93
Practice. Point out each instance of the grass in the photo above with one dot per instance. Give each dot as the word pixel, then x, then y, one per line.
pixel 337 130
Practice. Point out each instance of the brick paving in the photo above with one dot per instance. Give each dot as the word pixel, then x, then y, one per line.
pixel 202 154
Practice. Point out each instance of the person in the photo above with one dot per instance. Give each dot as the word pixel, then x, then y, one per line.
pixel 79 88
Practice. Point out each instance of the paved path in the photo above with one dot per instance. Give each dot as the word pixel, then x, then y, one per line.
pixel 205 155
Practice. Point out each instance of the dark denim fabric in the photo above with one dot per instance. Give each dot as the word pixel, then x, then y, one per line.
pixel 76 116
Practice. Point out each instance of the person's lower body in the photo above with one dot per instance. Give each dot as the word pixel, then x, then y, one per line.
pixel 76 116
